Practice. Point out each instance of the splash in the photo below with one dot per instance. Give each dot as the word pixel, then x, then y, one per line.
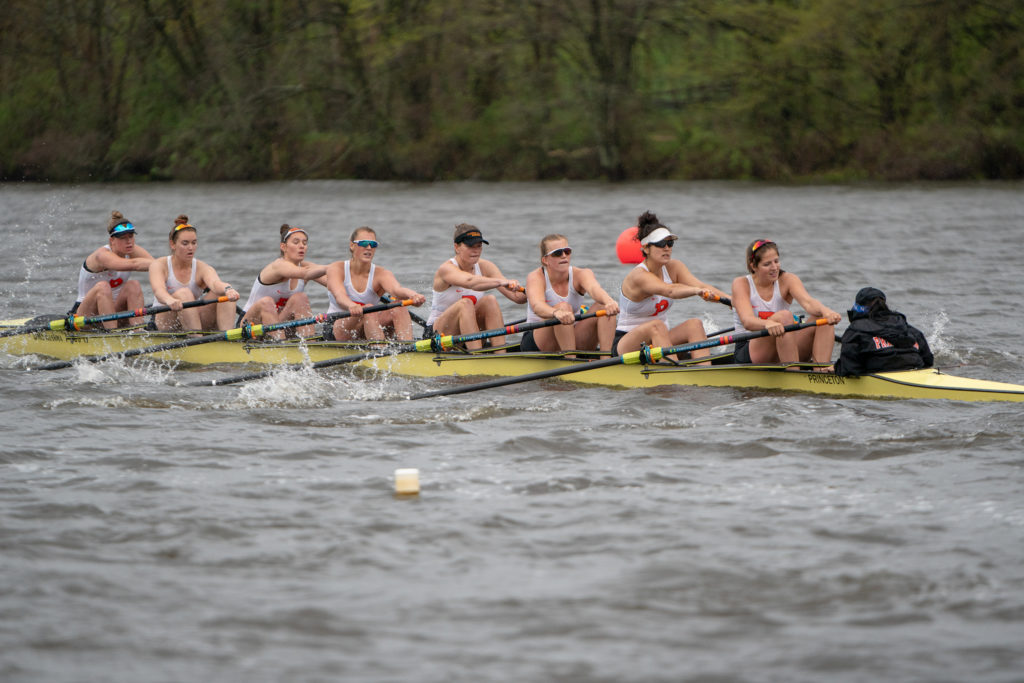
pixel 94 400
pixel 116 371
pixel 37 259
pixel 286 388
pixel 943 346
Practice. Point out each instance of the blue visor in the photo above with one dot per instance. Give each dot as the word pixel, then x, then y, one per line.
pixel 122 228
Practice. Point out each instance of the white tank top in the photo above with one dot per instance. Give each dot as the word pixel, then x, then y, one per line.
pixel 367 297
pixel 88 279
pixel 635 313
pixel 173 285
pixel 279 292
pixel 763 309
pixel 551 297
pixel 442 301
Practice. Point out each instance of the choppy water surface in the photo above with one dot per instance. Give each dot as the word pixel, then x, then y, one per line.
pixel 154 532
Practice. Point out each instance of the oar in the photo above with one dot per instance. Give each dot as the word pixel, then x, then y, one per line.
pixel 434 344
pixel 644 356
pixel 77 322
pixel 387 298
pixel 246 332
pixel 720 299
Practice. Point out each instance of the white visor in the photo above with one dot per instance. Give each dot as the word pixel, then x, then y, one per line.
pixel 657 236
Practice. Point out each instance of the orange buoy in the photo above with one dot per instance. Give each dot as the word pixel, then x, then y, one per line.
pixel 627 247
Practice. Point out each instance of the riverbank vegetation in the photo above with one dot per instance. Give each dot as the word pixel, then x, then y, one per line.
pixel 511 89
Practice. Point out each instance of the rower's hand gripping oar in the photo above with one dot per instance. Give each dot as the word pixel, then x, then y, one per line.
pixel 711 296
pixel 644 356
pixel 236 334
pixel 77 322
pixel 435 344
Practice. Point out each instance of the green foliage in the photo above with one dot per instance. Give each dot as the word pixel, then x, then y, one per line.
pixel 512 89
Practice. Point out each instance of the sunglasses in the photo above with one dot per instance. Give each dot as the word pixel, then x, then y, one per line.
pixel 371 244
pixel 758 244
pixel 122 228
pixel 559 253
pixel 663 243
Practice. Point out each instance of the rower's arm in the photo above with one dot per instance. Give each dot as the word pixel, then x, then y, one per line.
pixel 795 287
pixel 335 283
pixel 111 261
pixel 389 283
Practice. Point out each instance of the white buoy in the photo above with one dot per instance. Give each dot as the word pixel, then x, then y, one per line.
pixel 407 481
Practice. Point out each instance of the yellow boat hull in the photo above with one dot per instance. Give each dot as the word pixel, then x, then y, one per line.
pixel 926 384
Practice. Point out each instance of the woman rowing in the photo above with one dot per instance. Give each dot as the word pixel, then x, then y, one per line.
pixel 761 301
pixel 557 290
pixel 182 277
pixel 104 280
pixel 278 293
pixel 649 290
pixel 359 282
pixel 460 303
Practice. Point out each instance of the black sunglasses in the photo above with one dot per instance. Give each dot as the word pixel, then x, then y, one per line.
pixel 664 243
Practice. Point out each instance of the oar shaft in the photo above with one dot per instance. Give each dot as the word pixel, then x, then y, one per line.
pixel 424 345
pixel 77 322
pixel 328 317
pixel 658 353
pixel 632 358
pixel 228 335
pixel 513 328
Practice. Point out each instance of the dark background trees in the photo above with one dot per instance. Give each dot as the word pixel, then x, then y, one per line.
pixel 511 89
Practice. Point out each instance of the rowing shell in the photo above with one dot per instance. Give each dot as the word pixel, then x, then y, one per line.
pixel 927 384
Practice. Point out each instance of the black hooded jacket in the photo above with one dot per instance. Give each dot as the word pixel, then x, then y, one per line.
pixel 881 340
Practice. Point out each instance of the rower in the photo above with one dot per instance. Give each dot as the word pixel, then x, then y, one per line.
pixel 649 289
pixel 761 301
pixel 359 282
pixel 182 277
pixel 278 293
pixel 557 290
pixel 104 280
pixel 460 304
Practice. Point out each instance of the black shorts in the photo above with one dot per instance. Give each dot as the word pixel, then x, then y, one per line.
pixel 527 343
pixel 741 353
pixel 619 334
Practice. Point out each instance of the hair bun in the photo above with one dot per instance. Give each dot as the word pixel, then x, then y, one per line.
pixel 647 218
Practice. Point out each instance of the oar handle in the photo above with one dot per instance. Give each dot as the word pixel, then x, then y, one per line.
pixel 711 296
pixel 387 298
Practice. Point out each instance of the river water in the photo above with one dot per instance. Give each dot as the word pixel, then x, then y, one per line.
pixel 155 532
